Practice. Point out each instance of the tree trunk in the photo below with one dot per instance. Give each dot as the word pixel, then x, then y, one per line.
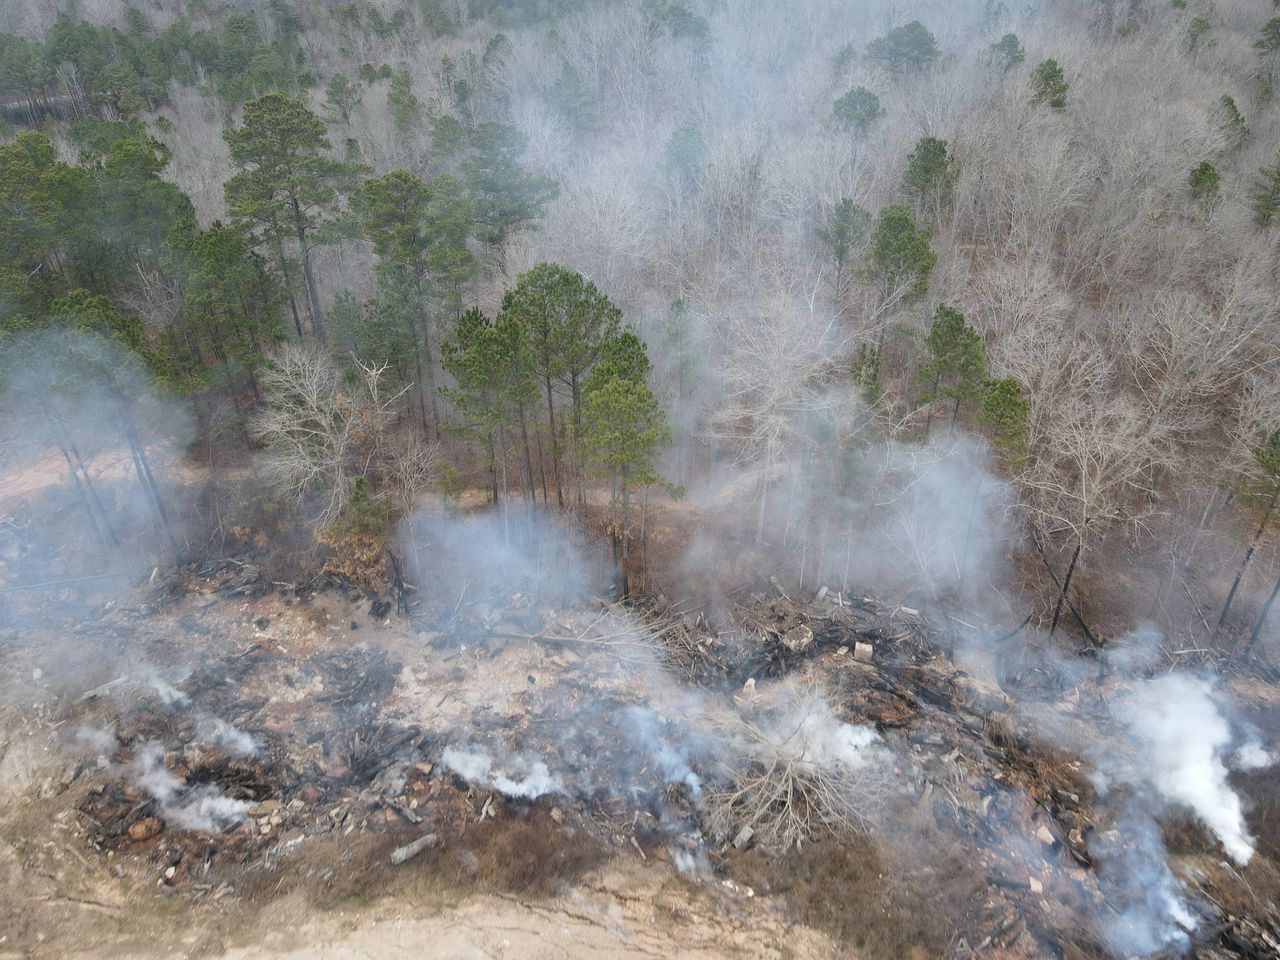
pixel 613 529
pixel 506 493
pixel 93 491
pixel 933 395
pixel 531 493
pixel 143 469
pixel 764 496
pixel 313 292
pixel 493 469
pixel 1262 617
pixel 542 472
pixel 555 445
pixel 431 360
pixel 626 544
pixel 84 498
pixel 1066 585
pixel 576 421
pixel 1244 564
pixel 293 311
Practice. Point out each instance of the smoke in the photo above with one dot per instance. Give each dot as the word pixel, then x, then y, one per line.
pixel 1148 911
pixel 228 736
pixel 670 754
pixel 1185 745
pixel 823 741
pixel 170 694
pixel 514 776
pixel 203 808
pixel 1157 745
pixel 87 447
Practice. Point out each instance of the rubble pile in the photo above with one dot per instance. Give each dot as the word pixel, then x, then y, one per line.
pixel 308 715
pixel 1025 810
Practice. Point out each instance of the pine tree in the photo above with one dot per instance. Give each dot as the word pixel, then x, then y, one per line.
pixel 901 257
pixel 288 189
pixel 1198 30
pixel 419 230
pixel 569 322
pixel 906 48
pixel 847 229
pixel 506 197
pixel 1007 52
pixel 957 364
pixel 1004 414
pixel 1233 123
pixel 342 97
pixel 930 176
pixel 1263 490
pixel 1265 198
pixel 1049 85
pixel 857 109
pixel 684 158
pixel 624 426
pixel 1204 182
pixel 494 385
pixel 406 109
pixel 1269 39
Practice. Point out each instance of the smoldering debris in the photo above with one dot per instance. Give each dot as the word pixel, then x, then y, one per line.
pixel 202 808
pixel 791 771
pixel 1185 745
pixel 610 741
pixel 1148 904
pixel 227 735
pixel 672 754
pixel 514 776
pixel 168 693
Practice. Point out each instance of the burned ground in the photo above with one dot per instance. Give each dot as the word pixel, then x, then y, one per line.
pixel 995 842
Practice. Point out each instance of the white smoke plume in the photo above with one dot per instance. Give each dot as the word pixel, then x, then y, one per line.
pixel 204 809
pixel 819 740
pixel 228 736
pixel 1185 744
pixel 101 740
pixel 672 758
pixel 517 776
pixel 1150 910
pixel 170 694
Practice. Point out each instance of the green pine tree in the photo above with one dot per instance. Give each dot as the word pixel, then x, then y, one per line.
pixel 901 258
pixel 957 366
pixel 1205 182
pixel 288 190
pixel 1265 197
pixel 930 176
pixel 846 230
pixel 857 110
pixel 1232 123
pixel 1004 414
pixel 569 322
pixel 905 48
pixel 1049 85
pixel 1007 52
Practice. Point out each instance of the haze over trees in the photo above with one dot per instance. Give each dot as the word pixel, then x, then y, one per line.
pixel 585 249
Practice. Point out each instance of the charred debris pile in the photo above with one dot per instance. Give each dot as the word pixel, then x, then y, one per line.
pixel 206 778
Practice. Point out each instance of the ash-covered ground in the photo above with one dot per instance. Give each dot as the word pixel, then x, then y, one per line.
pixel 218 744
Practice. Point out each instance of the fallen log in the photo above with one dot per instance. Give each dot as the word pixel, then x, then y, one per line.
pixel 410 850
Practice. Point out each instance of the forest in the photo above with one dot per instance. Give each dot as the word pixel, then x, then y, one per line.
pixel 971 309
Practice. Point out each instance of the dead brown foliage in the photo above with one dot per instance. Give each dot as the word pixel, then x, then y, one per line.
pixel 854 894
pixel 359 558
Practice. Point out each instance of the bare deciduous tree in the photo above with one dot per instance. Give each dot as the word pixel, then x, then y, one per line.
pixel 320 431
pixel 798 773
